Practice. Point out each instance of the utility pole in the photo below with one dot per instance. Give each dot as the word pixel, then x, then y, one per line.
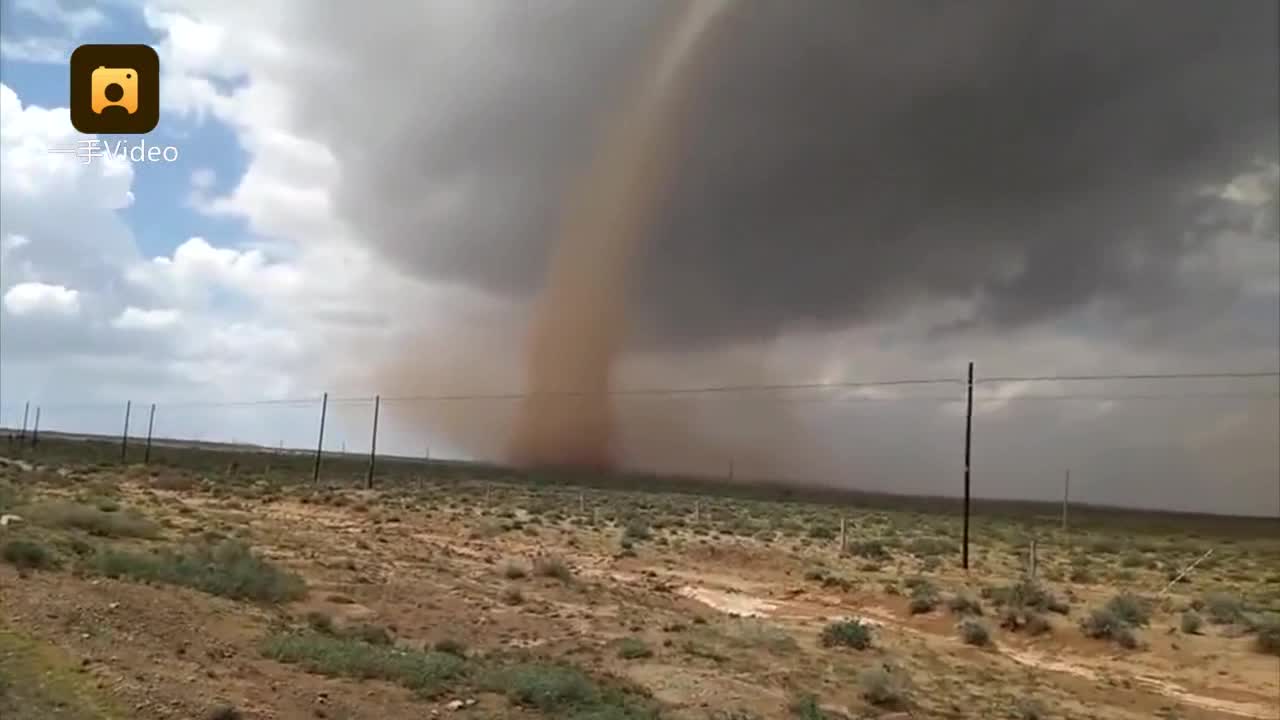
pixel 22 434
pixel 124 437
pixel 968 448
pixel 35 429
pixel 151 422
pixel 1066 498
pixel 324 408
pixel 373 443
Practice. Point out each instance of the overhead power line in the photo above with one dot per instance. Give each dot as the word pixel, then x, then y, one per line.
pixel 1137 376
pixel 728 389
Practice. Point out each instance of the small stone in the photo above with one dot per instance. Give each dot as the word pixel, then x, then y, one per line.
pixel 454 705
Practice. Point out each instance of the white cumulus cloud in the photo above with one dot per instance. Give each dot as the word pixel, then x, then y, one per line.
pixel 133 318
pixel 31 298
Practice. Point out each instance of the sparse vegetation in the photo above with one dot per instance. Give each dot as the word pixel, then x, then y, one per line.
pixel 870 549
pixel 28 555
pixel 424 672
pixel 114 523
pixel 963 603
pixel 847 633
pixel 1191 622
pixel 1030 709
pixel 1132 610
pixel 224 712
pixel 552 566
pixel 883 687
pixel 451 646
pixel 1028 594
pixel 564 691
pixel 1105 624
pixel 974 632
pixel 1268 630
pixel 1224 608
pixel 633 648
pixel 924 596
pixel 230 569
pixel 407 578
pixel 805 707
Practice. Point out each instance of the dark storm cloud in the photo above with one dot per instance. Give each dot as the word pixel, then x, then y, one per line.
pixel 842 160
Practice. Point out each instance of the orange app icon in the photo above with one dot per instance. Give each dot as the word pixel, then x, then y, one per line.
pixel 114 87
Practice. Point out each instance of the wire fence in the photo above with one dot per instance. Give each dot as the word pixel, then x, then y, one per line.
pixel 1174 440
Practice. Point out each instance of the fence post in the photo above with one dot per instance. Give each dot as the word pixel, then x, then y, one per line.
pixel 968 444
pixel 844 537
pixel 373 443
pixel 315 471
pixel 35 429
pixel 124 436
pixel 151 423
pixel 22 434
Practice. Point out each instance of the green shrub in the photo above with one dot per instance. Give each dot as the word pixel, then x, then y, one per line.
pixel 1104 624
pixel 882 687
pixel 10 496
pixel 321 622
pixel 636 531
pixel 513 570
pixel 924 596
pixel 975 633
pixel 1081 574
pixel 564 691
pixel 1024 620
pixel 425 672
pixel 870 549
pixel 1030 709
pixel 224 712
pixel 847 633
pixel 230 569
pixel 553 567
pixel 1027 593
pixel 28 555
pixel 806 707
pixel 1130 609
pixel 95 521
pixel 1268 629
pixel 930 546
pixel 368 633
pixel 964 604
pixel 453 647
pixel 1191 622
pixel 633 648
pixel 1224 608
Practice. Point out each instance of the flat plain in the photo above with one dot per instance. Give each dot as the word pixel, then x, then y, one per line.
pixel 218 585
